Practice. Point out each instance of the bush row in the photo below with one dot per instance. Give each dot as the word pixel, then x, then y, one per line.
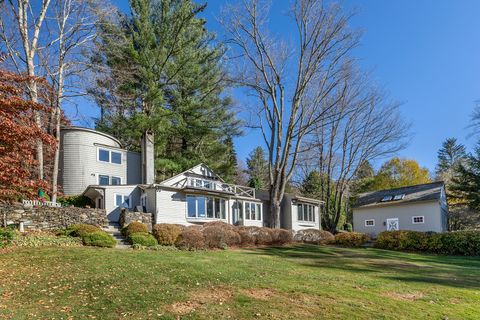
pixel 452 243
pixel 219 235
pixel 315 236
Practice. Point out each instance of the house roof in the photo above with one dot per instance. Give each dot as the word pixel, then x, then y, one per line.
pixel 421 192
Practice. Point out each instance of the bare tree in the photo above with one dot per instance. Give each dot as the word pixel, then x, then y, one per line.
pixel 22 45
pixel 292 82
pixel 62 30
pixel 71 31
pixel 364 126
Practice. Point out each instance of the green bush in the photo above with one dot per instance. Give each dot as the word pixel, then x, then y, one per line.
pixel 348 227
pixel 452 243
pixel 7 235
pixel 80 230
pixel 99 239
pixel 76 201
pixel 135 227
pixel 143 239
pixel 351 239
pixel 166 234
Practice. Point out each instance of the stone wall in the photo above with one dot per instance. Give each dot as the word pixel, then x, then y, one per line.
pixel 50 218
pixel 127 217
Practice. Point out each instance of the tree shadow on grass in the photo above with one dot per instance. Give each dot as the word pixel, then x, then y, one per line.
pixel 460 272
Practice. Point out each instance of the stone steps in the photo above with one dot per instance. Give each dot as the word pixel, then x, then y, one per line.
pixel 114 230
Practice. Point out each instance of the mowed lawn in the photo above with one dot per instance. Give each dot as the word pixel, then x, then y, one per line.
pixel 300 282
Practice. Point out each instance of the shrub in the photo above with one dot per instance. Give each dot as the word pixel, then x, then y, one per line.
pixel 80 230
pixel 99 239
pixel 135 227
pixel 452 243
pixel 76 201
pixel 191 238
pixel 351 239
pixel 220 235
pixel 166 234
pixel 263 236
pixel 142 238
pixel 246 236
pixel 281 236
pixel 348 227
pixel 314 236
pixel 7 235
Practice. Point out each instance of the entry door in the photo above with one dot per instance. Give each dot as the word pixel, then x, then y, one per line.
pixel 392 224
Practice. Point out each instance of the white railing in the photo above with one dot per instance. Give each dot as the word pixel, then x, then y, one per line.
pixel 42 203
pixel 206 184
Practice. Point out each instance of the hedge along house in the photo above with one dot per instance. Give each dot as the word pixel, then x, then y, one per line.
pixel 419 208
pixel 94 164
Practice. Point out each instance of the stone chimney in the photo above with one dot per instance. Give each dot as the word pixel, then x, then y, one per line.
pixel 148 168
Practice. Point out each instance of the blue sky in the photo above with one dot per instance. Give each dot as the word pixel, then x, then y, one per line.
pixel 426 54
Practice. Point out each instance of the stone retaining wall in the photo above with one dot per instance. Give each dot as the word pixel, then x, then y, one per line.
pixel 127 217
pixel 50 218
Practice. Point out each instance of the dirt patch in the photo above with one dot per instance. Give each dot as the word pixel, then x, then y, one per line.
pixel 405 296
pixel 260 294
pixel 198 298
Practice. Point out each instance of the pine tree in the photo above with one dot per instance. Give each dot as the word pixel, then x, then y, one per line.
pixel 466 181
pixel 449 156
pixel 257 169
pixel 166 76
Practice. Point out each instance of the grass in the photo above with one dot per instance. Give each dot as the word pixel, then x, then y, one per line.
pixel 298 282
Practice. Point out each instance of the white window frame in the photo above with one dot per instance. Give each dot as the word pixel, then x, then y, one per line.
pixel 258 215
pixel 413 219
pixel 309 207
pixel 110 156
pixel 207 198
pixel 124 196
pixel 109 179
pixel 370 225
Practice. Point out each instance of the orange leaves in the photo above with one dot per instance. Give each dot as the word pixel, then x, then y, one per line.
pixel 18 134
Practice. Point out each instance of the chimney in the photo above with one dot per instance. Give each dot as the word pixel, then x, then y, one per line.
pixel 148 169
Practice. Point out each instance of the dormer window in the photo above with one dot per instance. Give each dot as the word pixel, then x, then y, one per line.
pixel 200 183
pixel 399 197
pixel 387 198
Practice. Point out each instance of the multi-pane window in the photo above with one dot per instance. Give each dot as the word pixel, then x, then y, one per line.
pixel 122 201
pixel 200 183
pixel 370 223
pixel 306 212
pixel 418 219
pixel 201 207
pixel 110 156
pixel 105 180
pixel 253 211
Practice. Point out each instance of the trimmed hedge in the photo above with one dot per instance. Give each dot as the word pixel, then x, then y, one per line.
pixel 99 239
pixel 80 230
pixel 220 235
pixel 143 239
pixel 452 243
pixel 134 227
pixel 314 236
pixel 351 239
pixel 191 238
pixel 166 234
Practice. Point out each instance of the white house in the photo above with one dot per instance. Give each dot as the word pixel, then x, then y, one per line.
pixel 194 196
pixel 419 208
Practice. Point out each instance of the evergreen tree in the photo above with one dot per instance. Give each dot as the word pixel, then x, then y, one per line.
pixel 449 156
pixel 312 185
pixel 466 181
pixel 257 169
pixel 165 76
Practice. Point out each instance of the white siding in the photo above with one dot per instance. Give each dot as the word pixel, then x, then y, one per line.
pixel 79 166
pixel 113 212
pixel 300 225
pixel 431 211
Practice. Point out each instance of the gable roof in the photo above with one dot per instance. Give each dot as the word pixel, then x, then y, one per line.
pixel 191 171
pixel 421 192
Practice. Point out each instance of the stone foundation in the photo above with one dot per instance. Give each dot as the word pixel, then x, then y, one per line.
pixel 127 217
pixel 50 218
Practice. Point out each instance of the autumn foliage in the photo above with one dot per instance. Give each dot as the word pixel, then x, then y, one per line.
pixel 18 133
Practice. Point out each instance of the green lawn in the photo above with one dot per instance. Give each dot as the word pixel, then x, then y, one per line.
pixel 275 283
